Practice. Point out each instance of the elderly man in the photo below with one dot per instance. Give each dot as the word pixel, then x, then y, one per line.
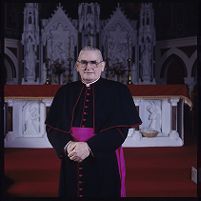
pixel 87 123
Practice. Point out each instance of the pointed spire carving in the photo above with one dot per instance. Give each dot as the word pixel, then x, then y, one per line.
pixel 89 14
pixel 146 42
pixel 30 41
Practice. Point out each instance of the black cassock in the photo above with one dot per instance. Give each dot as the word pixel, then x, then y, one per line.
pixel 108 107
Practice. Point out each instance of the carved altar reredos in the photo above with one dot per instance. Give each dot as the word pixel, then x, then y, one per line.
pixel 117 37
pixel 59 37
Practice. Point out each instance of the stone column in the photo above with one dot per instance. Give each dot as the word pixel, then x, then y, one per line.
pixel 173 133
pixel 136 133
pixel 42 116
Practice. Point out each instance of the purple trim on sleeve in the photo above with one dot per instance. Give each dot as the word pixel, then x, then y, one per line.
pixel 57 129
pixel 124 126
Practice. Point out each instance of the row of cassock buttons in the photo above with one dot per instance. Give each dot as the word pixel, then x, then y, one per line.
pixel 80 168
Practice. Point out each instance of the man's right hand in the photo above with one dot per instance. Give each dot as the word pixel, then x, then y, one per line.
pixel 70 146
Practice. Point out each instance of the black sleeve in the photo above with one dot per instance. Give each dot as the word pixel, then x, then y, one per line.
pixel 58 140
pixel 107 141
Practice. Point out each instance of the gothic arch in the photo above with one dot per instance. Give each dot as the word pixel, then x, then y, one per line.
pixel 174 70
pixel 194 64
pixel 12 60
pixel 194 68
pixel 11 74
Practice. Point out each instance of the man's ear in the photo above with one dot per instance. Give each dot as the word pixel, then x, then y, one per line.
pixel 76 67
pixel 103 66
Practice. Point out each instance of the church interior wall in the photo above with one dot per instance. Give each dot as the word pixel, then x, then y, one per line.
pixel 173 45
pixel 165 49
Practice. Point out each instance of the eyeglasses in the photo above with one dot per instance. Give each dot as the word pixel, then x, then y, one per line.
pixel 93 63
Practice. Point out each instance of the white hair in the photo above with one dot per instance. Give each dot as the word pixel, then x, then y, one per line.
pixel 86 48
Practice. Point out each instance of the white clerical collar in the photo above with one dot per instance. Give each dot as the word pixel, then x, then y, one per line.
pixel 88 84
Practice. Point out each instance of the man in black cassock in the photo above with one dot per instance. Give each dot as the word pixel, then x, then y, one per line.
pixel 87 123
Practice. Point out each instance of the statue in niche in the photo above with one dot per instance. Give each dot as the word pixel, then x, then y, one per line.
pixel 58 43
pixel 154 116
pixel 31 123
pixel 30 59
pixel 146 58
pixel 88 37
pixel 117 45
pixel 117 52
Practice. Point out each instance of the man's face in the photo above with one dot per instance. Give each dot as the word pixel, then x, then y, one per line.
pixel 90 65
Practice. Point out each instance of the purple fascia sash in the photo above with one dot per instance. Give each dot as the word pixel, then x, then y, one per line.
pixel 83 134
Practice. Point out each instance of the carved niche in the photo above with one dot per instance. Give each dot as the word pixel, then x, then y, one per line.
pixel 59 38
pixel 119 38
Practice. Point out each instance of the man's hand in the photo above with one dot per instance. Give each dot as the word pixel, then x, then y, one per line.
pixel 70 146
pixel 78 151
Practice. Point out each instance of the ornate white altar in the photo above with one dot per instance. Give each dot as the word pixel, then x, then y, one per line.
pixel 157 114
pixel 28 129
pixel 25 116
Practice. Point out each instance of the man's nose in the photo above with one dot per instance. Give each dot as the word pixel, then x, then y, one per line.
pixel 88 65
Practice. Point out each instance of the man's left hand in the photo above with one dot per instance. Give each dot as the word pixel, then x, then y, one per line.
pixel 80 152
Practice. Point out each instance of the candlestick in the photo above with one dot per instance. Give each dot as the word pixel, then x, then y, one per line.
pixel 129 71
